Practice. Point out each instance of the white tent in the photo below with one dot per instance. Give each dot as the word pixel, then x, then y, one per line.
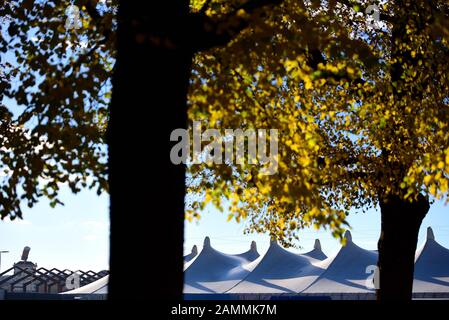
pixel 281 271
pixel 431 267
pixel 316 253
pixel 346 275
pixel 216 272
pixel 346 272
pixel 188 259
pixel 191 255
pixel 99 286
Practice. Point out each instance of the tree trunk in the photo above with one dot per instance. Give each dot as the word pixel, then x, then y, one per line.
pixel 147 191
pixel 401 221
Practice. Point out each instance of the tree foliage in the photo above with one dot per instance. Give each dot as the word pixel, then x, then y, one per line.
pixel 55 89
pixel 362 112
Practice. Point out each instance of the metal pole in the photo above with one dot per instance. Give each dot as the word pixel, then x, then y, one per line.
pixel 1 258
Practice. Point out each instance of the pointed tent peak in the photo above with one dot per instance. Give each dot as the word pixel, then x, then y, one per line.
pixel 348 236
pixel 253 246
pixel 273 242
pixel 194 250
pixel 317 244
pixel 206 242
pixel 430 235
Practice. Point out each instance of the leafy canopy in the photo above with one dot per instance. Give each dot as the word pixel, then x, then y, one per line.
pixel 54 92
pixel 362 112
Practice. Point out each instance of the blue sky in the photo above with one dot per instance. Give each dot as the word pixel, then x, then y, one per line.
pixel 75 236
pixel 228 236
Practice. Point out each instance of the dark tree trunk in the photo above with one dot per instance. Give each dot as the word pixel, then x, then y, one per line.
pixel 401 221
pixel 147 191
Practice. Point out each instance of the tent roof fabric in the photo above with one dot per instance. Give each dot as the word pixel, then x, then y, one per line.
pixel 350 271
pixel 99 286
pixel 346 271
pixel 216 272
pixel 431 267
pixel 192 254
pixel 280 271
pixel 316 253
